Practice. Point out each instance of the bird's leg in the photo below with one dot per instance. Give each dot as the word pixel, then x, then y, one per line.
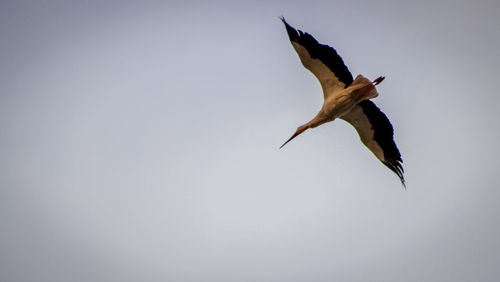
pixel 378 80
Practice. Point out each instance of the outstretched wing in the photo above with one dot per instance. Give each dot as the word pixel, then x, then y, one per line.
pixel 376 132
pixel 322 60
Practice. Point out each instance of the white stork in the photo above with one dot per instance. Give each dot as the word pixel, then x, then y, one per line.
pixel 347 99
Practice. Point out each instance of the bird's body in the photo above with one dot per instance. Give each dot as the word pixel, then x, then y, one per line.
pixel 342 101
pixel 346 98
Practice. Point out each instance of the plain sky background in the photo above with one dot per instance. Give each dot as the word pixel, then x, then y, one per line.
pixel 139 142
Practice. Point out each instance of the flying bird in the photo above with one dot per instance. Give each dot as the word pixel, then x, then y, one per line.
pixel 346 98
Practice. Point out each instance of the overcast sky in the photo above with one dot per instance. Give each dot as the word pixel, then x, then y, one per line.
pixel 139 142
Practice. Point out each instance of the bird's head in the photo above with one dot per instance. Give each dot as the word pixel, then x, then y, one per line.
pixel 299 130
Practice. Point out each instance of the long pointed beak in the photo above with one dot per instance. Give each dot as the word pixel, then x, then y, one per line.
pixel 299 131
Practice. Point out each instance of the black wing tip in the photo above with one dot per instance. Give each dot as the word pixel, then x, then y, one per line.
pixel 325 53
pixel 397 167
pixel 293 34
pixel 384 137
pixel 282 18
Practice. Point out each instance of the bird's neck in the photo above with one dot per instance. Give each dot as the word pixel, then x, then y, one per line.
pixel 323 116
pixel 315 122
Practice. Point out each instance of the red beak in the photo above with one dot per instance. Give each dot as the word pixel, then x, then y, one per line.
pixel 299 131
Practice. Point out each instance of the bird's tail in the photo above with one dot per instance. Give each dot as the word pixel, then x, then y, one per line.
pixel 363 89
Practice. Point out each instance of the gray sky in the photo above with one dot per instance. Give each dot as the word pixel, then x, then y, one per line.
pixel 139 142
